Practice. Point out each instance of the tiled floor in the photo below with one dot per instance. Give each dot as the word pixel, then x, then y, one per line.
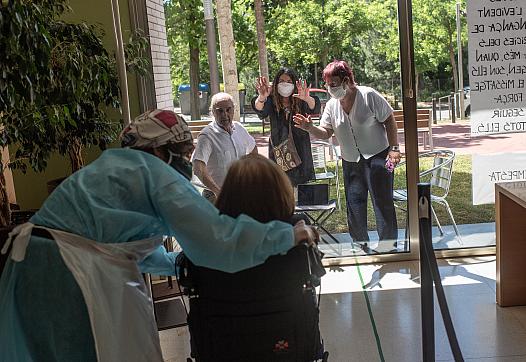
pixel 485 331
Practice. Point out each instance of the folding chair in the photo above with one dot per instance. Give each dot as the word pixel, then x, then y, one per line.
pixel 313 202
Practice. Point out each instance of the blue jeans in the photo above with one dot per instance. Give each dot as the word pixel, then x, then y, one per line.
pixel 364 177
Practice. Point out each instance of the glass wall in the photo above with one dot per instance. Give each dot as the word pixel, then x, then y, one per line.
pixel 476 135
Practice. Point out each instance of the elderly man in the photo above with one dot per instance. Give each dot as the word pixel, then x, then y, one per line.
pixel 219 144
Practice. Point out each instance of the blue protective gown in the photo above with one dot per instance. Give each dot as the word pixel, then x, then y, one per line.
pixel 124 195
pixel 128 195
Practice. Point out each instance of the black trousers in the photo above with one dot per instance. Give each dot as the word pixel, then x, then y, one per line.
pixel 369 176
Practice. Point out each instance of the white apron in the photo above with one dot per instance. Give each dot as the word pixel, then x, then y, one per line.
pixel 118 302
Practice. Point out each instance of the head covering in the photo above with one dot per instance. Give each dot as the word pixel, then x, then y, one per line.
pixel 154 129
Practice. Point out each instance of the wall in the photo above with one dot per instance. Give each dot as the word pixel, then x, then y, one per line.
pixel 160 54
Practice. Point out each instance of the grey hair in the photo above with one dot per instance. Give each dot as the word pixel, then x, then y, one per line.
pixel 219 97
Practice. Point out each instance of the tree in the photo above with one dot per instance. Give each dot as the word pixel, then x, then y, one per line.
pixel 244 29
pixel 184 20
pixel 262 44
pixel 243 24
pixel 25 47
pixel 83 80
pixel 379 65
pixel 57 83
pixel 433 30
pixel 228 51
pixel 310 32
pixel 438 23
pixel 307 34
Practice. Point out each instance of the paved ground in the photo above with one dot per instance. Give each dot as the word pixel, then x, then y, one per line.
pixel 454 136
pixel 457 137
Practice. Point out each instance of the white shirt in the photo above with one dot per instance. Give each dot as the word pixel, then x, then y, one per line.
pixel 361 131
pixel 218 149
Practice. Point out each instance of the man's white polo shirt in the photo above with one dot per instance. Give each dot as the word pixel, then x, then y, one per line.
pixel 218 149
pixel 361 131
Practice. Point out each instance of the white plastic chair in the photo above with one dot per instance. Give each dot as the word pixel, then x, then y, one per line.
pixel 320 149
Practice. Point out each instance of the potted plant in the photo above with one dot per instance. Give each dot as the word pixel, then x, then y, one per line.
pixel 85 84
pixel 57 84
pixel 24 55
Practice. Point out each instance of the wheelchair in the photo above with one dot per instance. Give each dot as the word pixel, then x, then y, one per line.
pixel 269 313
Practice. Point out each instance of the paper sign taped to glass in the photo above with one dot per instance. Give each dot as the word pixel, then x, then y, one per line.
pixel 495 168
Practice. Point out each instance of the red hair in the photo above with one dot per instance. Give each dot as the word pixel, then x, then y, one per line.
pixel 338 68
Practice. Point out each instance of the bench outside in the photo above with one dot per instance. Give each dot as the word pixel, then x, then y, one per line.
pixel 424 125
pixel 247 109
pixel 196 127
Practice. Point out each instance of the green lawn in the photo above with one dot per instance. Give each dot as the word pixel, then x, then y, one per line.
pixel 459 198
pixel 255 128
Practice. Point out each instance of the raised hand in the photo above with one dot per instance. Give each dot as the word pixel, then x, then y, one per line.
pixel 303 90
pixel 263 87
pixel 303 122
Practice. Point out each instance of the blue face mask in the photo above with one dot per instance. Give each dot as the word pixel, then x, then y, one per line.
pixel 181 165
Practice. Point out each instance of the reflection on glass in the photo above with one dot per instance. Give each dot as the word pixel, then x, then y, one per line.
pixel 362 226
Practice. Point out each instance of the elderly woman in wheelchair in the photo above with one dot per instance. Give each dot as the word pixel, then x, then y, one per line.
pixel 266 313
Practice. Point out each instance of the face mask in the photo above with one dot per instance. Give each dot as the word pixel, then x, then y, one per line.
pixel 337 92
pixel 181 165
pixel 285 89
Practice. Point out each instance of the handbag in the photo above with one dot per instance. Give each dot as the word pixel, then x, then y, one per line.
pixel 285 153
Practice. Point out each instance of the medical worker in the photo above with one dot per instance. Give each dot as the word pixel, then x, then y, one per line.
pixel 72 291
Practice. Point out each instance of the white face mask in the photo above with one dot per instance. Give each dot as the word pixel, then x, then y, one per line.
pixel 337 92
pixel 285 89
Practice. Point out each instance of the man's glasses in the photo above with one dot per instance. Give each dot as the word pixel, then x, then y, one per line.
pixel 224 110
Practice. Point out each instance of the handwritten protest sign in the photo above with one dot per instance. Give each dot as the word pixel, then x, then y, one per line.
pixel 495 168
pixel 497 65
